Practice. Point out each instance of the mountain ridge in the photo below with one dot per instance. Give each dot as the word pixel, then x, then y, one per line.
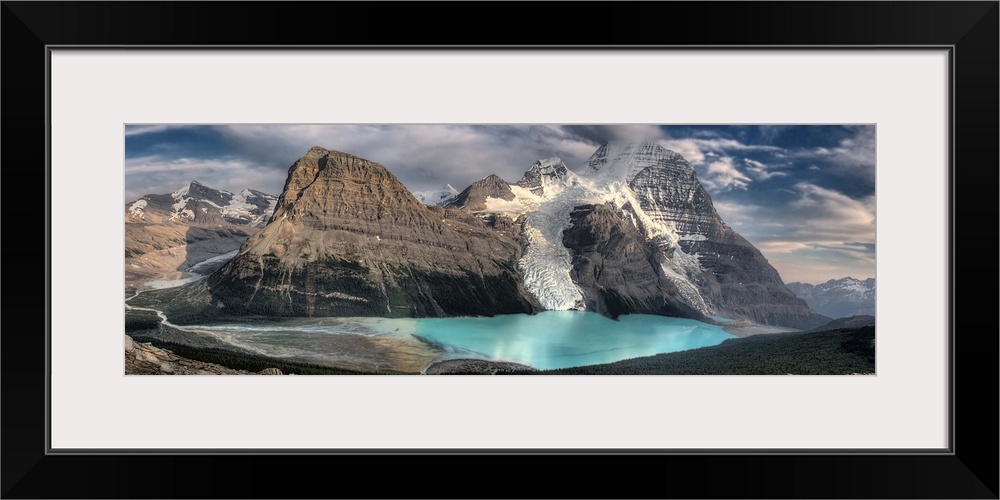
pixel 697 256
pixel 839 298
pixel 167 234
pixel 631 231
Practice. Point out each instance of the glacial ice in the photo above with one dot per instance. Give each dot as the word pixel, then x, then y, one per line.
pixel 547 263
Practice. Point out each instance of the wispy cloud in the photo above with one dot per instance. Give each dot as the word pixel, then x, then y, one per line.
pixel 821 234
pixel 854 155
pixel 723 175
pixel 695 150
pixel 817 216
pixel 760 171
pixel 710 154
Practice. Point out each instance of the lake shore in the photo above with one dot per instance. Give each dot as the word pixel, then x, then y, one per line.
pixel 745 329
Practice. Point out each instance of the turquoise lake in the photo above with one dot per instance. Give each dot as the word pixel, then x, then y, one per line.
pixel 551 339
pixel 560 339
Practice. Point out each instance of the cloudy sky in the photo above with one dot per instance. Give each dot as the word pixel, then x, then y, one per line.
pixel 803 194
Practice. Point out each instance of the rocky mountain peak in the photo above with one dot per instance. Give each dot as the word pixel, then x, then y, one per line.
pixel 198 204
pixel 550 171
pixel 325 184
pixel 317 151
pixel 201 192
pixel 473 198
pixel 349 239
pixel 553 166
pixel 621 161
pixel 492 180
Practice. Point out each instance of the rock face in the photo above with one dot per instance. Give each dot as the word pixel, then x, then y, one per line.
pixel 839 298
pixel 144 359
pixel 550 172
pixel 348 239
pixel 618 269
pixel 473 198
pixel 168 234
pixel 632 230
pixel 731 275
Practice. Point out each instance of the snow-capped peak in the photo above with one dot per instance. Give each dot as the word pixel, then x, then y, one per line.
pixel 181 199
pixel 242 207
pixel 248 207
pixel 549 192
pixel 620 161
pixel 547 177
pixel 182 192
pixel 437 196
pixel 548 165
pixel 136 210
pixel 838 297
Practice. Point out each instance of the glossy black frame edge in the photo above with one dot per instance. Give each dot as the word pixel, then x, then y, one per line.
pixel 30 469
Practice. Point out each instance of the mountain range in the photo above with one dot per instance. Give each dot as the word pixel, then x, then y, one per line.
pixel 838 298
pixel 629 231
pixel 169 233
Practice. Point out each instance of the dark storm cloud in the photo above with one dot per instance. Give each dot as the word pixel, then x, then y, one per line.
pixel 595 134
pixel 599 134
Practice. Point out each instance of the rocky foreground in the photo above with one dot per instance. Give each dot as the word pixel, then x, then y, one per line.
pixel 145 359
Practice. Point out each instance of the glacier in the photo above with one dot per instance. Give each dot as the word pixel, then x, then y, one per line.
pixel 550 191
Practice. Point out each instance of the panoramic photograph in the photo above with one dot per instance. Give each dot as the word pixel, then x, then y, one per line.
pixel 456 249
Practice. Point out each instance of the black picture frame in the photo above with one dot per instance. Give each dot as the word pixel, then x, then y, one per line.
pixel 968 29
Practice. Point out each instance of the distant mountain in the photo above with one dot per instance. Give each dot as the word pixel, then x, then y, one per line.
pixel 167 234
pixel 438 197
pixel 198 204
pixel 839 298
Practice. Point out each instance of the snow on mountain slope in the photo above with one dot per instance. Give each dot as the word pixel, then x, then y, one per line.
pixel 622 161
pixel 136 209
pixel 196 203
pixel 547 263
pixel 549 192
pixel 436 197
pixel 709 267
pixel 839 298
pixel 242 208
